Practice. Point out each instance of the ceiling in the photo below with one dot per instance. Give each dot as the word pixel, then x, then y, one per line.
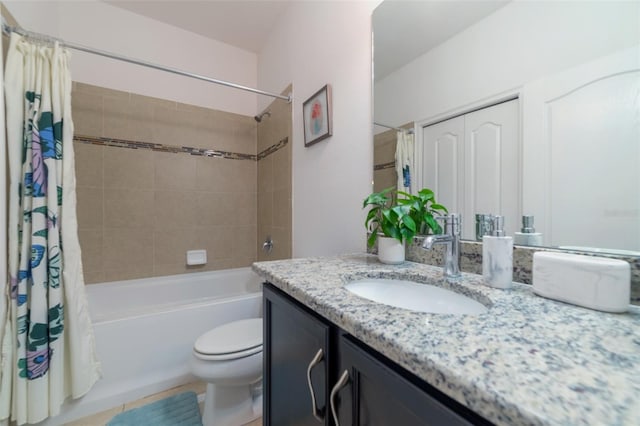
pixel 241 23
pixel 423 25
pixel 247 23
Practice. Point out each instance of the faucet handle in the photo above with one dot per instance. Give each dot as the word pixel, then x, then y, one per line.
pixel 453 217
pixel 452 223
pixel 498 226
pixel 484 225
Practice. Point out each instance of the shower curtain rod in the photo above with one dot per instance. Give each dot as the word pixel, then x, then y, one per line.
pixel 400 129
pixel 6 29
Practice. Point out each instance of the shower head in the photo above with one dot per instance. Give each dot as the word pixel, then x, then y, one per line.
pixel 258 117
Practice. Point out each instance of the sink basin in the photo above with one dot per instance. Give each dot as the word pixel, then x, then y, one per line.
pixel 415 296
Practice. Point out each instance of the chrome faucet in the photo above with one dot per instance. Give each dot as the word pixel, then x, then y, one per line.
pixel 451 237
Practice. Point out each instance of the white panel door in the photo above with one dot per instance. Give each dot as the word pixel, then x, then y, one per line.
pixel 491 177
pixel 442 162
pixel 582 145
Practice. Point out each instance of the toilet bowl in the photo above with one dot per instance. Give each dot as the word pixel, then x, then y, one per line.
pixel 229 359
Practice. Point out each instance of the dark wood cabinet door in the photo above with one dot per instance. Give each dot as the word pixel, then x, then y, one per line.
pixel 294 339
pixel 377 393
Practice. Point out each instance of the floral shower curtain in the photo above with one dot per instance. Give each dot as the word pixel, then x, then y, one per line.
pixel 48 351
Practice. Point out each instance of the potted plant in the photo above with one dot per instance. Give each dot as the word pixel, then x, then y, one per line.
pixel 390 223
pixel 423 210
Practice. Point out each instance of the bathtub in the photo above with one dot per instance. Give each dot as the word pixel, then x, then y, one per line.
pixel 145 330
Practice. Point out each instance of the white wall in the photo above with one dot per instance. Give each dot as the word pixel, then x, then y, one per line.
pixel 523 41
pixel 109 28
pixel 316 43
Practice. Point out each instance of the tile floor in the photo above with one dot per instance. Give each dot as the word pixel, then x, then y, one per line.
pixel 100 419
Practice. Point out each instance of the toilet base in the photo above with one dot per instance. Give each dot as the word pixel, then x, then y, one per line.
pixel 231 405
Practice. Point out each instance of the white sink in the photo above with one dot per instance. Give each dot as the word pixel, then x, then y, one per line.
pixel 415 296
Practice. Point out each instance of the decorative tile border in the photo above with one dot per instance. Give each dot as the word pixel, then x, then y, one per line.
pixel 383 166
pixel 123 143
pixel 273 148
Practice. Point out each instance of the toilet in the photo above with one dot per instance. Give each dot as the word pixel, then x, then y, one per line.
pixel 229 359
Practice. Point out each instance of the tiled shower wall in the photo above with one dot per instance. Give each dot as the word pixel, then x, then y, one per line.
pixel 140 210
pixel 274 181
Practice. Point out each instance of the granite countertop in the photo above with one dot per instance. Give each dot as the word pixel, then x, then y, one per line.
pixel 527 361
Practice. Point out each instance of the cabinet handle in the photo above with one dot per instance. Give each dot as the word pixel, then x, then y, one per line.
pixel 342 382
pixel 315 361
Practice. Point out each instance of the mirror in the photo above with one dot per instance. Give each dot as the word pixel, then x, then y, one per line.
pixel 572 71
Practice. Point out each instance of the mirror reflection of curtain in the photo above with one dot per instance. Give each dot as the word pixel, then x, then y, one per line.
pixel 405 162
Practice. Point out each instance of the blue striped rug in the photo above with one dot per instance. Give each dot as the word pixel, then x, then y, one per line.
pixel 177 410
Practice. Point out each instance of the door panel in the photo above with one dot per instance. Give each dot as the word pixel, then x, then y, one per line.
pixel 443 162
pixel 491 166
pixel 582 131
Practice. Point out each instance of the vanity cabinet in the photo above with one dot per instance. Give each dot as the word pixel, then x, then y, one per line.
pixel 377 394
pixel 297 366
pixel 361 385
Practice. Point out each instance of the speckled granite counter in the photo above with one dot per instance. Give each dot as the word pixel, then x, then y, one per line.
pixel 527 361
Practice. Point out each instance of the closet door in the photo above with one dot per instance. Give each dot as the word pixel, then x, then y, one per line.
pixel 491 178
pixel 443 162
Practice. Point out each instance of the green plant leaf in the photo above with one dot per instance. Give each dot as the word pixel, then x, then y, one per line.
pixel 377 198
pixel 433 224
pixel 387 215
pixel 372 217
pixel 407 235
pixel 409 223
pixel 401 210
pixel 426 194
pixel 435 206
pixel 372 238
pixel 390 230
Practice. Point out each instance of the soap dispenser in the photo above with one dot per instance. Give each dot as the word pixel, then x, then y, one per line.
pixel 527 235
pixel 497 256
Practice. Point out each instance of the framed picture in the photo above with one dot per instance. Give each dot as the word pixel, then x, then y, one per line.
pixel 317 116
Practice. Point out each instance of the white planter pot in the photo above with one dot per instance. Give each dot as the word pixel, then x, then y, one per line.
pixel 390 250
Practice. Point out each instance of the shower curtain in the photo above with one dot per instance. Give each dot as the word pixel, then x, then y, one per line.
pixel 48 351
pixel 405 164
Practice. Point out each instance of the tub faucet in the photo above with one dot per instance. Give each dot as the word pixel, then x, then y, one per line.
pixel 451 237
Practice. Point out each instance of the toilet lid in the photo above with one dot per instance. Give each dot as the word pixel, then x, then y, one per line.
pixel 236 336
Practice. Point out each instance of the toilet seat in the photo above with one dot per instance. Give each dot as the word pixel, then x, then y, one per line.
pixel 237 339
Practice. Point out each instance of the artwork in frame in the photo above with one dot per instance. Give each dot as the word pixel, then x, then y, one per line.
pixel 317 116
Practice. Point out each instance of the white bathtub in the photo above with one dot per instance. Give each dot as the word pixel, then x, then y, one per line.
pixel 145 330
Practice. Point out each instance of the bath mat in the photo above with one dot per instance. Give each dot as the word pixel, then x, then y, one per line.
pixel 177 410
